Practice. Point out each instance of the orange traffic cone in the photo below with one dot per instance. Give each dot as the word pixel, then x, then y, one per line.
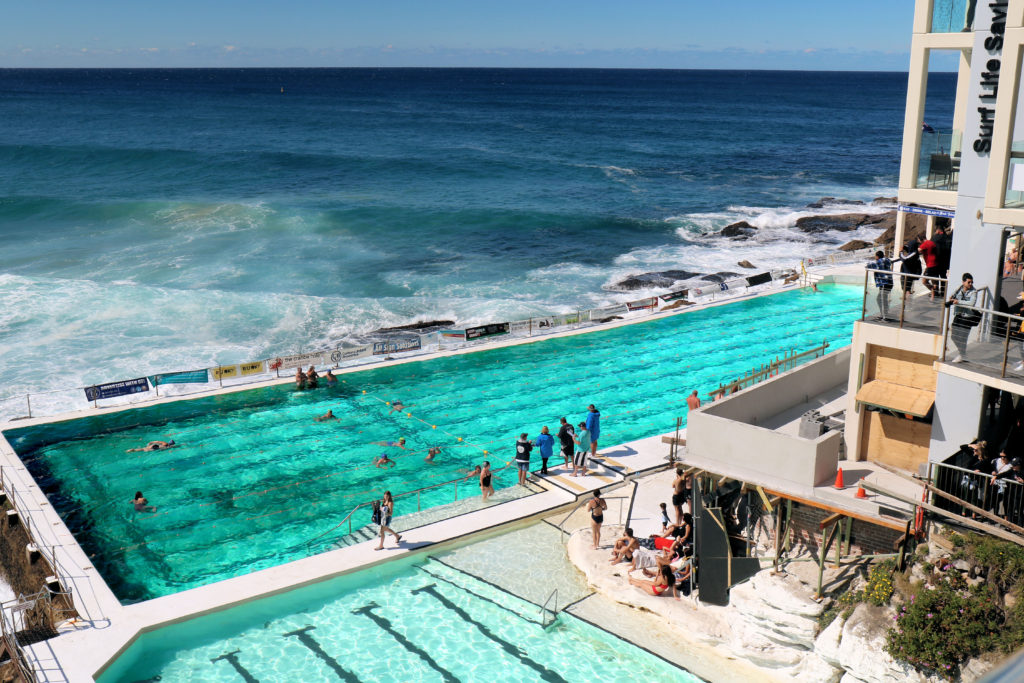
pixel 861 493
pixel 839 480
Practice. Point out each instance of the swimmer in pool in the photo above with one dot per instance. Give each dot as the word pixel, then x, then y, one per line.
pixel 141 504
pixel 327 417
pixel 397 406
pixel 330 378
pixel 384 461
pixel 154 446
pixel 431 452
pixel 391 444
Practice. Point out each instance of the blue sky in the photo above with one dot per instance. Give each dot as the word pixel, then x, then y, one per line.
pixel 744 34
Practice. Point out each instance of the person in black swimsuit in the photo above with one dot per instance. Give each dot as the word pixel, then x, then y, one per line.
pixel 485 481
pixel 596 507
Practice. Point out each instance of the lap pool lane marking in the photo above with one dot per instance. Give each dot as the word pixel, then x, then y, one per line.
pixel 546 674
pixel 385 624
pixel 232 659
pixel 310 642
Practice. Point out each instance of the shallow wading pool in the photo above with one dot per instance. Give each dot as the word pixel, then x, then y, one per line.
pixel 255 478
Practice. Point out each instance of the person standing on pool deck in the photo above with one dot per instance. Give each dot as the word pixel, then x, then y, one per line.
pixel 565 437
pixel 679 494
pixel 693 400
pixel 545 443
pixel 596 508
pixel 579 463
pixel 485 481
pixel 387 508
pixel 523 448
pixel 593 423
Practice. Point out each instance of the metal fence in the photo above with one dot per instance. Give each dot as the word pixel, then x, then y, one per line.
pixel 997 494
pixel 985 338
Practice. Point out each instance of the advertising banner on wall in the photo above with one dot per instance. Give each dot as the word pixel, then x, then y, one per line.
pixel 491 330
pixel 347 353
pixel 395 346
pixel 678 294
pixel 759 279
pixel 543 324
pixel 608 311
pixel 642 304
pixel 565 319
pixel 186 377
pixel 297 361
pixel 520 327
pixel 224 371
pixel 453 335
pixel 115 389
pixel 256 367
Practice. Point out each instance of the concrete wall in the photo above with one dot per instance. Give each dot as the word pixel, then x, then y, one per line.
pixel 727 431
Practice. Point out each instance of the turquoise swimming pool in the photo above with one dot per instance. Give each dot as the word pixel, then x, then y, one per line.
pixel 423 621
pixel 255 478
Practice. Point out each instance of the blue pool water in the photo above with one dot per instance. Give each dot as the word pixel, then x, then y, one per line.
pixel 255 478
pixel 407 622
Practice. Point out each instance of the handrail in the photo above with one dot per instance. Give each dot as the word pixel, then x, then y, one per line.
pixel 772 368
pixel 544 609
pixel 348 517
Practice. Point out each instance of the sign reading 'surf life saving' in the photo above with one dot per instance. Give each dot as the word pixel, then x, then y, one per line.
pixel 989 80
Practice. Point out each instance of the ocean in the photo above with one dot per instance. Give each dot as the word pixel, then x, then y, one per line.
pixel 158 220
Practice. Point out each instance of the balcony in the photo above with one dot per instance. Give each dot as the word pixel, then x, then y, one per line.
pixel 994 347
pixel 950 16
pixel 938 166
pixel 909 304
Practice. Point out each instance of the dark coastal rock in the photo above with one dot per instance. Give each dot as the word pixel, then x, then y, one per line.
pixel 914 226
pixel 854 245
pixel 842 222
pixel 832 201
pixel 884 201
pixel 741 230
pixel 421 325
pixel 661 279
pixel 720 276
pixel 746 264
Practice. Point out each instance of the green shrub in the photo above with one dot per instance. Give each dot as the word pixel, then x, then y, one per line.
pixel 940 629
pixel 1003 560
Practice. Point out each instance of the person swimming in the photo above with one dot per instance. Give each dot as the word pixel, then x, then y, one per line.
pixel 431 452
pixel 397 406
pixel 383 461
pixel 141 504
pixel 326 417
pixel 312 379
pixel 390 444
pixel 300 379
pixel 154 446
pixel 330 378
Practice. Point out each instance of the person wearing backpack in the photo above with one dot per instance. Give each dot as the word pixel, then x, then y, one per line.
pixel 382 511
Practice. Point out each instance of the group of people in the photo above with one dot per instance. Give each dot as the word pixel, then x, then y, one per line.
pixel 664 560
pixel 989 487
pixel 311 380
pixel 576 447
pixel 934 252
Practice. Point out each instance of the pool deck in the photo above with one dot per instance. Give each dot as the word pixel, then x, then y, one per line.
pixel 107 628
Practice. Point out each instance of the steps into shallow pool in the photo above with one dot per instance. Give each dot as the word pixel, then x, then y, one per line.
pixel 434 514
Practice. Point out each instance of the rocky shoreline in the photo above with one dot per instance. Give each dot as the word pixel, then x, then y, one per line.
pixel 914 227
pixel 771 623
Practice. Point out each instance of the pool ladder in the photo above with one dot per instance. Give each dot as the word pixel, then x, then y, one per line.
pixel 549 616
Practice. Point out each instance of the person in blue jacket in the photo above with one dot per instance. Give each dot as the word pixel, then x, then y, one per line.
pixel 546 444
pixel 593 423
